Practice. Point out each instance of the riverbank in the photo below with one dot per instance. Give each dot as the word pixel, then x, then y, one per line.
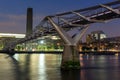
pixel 60 52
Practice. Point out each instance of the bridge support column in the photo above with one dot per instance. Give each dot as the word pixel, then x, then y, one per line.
pixel 70 57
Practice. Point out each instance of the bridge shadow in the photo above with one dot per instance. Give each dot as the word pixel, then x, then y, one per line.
pixel 70 75
pixel 21 73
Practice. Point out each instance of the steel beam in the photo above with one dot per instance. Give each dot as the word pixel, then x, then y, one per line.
pixel 111 9
pixel 88 19
pixel 67 39
pixel 78 37
pixel 69 23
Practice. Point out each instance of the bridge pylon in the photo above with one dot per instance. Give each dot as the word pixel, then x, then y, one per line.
pixel 70 57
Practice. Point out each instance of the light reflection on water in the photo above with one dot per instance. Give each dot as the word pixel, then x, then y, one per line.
pixel 47 67
pixel 41 66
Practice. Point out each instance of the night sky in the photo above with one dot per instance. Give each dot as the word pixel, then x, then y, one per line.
pixel 13 14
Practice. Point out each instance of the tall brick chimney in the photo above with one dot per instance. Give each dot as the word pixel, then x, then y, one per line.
pixel 29 24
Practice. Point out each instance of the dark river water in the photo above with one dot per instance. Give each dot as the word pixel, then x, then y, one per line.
pixel 47 67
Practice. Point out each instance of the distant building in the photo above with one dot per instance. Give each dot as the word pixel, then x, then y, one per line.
pixel 6 38
pixel 11 35
pixel 89 39
pixel 98 40
pixel 112 43
pixel 95 36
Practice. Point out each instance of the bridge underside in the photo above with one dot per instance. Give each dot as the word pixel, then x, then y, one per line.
pixel 71 26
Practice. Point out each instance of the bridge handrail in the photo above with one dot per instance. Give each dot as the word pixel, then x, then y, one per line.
pixel 85 9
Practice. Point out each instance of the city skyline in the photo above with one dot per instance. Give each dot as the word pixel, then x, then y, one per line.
pixel 13 14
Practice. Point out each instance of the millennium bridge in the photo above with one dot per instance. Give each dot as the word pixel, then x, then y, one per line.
pixel 70 27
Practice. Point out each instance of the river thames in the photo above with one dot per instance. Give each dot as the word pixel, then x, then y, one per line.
pixel 47 67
